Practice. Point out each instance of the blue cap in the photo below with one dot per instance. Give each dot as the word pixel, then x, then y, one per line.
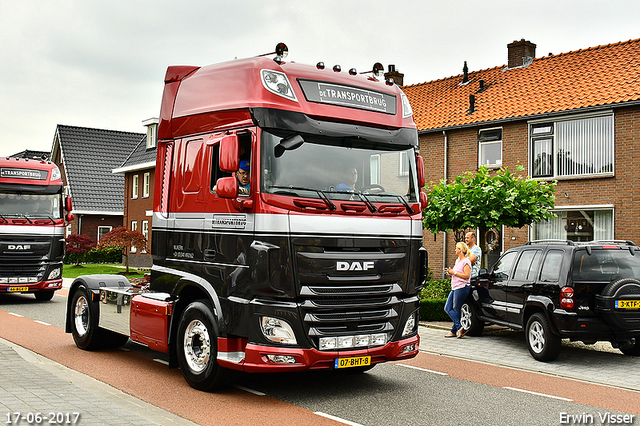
pixel 244 165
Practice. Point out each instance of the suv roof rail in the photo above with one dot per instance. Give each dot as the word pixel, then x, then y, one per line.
pixel 627 242
pixel 549 240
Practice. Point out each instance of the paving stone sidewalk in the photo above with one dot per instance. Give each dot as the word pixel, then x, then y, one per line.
pixel 31 384
pixel 599 364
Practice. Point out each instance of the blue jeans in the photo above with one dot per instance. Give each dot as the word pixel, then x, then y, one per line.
pixel 454 303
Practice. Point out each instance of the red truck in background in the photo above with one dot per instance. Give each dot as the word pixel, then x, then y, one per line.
pixel 315 264
pixel 32 227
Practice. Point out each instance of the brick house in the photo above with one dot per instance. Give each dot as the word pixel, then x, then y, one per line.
pixel 573 117
pixel 138 170
pixel 86 158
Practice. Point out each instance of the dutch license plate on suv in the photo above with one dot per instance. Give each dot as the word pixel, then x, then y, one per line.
pixel 627 304
pixel 356 361
pixel 14 289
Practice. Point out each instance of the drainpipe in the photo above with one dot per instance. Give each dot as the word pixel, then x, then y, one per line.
pixel 444 237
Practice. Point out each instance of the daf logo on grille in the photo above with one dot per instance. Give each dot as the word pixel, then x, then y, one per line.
pixel 19 247
pixel 354 266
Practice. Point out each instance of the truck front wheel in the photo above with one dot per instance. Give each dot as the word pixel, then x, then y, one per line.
pixel 84 317
pixel 197 344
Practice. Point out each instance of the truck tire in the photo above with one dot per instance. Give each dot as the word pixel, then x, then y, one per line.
pixel 632 347
pixel 197 345
pixel 469 319
pixel 84 320
pixel 43 296
pixel 543 344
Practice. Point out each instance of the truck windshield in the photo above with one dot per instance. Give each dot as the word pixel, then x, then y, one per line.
pixel 31 206
pixel 339 169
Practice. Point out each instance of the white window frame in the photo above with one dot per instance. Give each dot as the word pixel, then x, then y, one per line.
pixel 593 208
pixel 101 231
pixel 151 135
pixel 134 187
pixel 485 144
pixel 134 227
pixel 403 169
pixel 374 169
pixel 558 136
pixel 146 185
pixel 145 232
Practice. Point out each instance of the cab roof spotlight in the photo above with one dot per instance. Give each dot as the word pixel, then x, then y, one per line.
pixel 377 70
pixel 281 52
pixel 320 65
pixel 337 68
pixel 353 71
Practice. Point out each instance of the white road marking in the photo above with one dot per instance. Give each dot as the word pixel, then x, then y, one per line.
pixel 15 315
pixel 255 392
pixel 41 322
pixel 161 361
pixel 337 419
pixel 539 394
pixel 423 369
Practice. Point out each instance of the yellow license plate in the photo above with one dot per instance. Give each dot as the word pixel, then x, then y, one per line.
pixel 357 361
pixel 12 289
pixel 628 304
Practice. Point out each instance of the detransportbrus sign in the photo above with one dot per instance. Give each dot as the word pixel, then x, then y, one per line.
pixel 337 94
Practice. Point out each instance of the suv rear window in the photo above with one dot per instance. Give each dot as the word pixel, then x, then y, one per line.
pixel 602 265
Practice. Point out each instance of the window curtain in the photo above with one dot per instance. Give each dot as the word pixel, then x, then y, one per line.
pixel 603 225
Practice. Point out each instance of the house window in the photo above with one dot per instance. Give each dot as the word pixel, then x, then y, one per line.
pixel 134 187
pixel 490 148
pixel 102 231
pixel 151 135
pixel 575 147
pixel 145 232
pixel 374 169
pixel 134 227
pixel 577 224
pixel 404 164
pixel 145 188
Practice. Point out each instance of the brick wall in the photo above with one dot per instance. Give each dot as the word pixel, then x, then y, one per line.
pixel 136 210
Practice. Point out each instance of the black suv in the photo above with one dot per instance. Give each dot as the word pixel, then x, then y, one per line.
pixel 556 289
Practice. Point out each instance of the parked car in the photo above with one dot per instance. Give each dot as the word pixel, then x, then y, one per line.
pixel 555 289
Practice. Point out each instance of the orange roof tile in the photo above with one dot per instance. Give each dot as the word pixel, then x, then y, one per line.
pixel 595 77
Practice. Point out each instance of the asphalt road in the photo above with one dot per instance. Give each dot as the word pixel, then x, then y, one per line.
pixel 429 389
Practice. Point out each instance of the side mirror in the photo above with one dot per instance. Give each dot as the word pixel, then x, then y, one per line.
pixel 69 217
pixel 68 204
pixel 229 153
pixel 287 144
pixel 227 187
pixel 420 167
pixel 424 200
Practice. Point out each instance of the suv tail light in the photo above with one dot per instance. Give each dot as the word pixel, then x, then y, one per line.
pixel 566 298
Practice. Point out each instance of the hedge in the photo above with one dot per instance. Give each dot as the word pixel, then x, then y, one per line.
pixel 432 299
pixel 107 255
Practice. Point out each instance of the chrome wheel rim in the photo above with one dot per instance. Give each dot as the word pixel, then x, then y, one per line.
pixel 465 316
pixel 536 337
pixel 197 346
pixel 81 316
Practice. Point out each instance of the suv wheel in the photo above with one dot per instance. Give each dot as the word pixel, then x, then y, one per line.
pixel 469 320
pixel 632 347
pixel 543 344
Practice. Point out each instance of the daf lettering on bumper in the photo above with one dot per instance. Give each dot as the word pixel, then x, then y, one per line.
pixel 354 266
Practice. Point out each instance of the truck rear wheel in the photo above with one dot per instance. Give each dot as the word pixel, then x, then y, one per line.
pixel 43 296
pixel 197 345
pixel 84 316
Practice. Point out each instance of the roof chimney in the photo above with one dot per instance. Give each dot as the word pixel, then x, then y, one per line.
pixel 465 73
pixel 398 77
pixel 520 53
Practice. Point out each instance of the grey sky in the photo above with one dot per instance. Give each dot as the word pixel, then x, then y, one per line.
pixel 101 64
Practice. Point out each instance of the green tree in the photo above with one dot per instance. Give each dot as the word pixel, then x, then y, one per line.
pixel 125 239
pixel 485 201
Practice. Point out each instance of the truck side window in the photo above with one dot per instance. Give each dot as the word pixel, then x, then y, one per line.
pixel 216 173
pixel 551 266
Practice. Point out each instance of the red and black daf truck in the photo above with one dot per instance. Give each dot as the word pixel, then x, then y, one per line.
pixel 32 227
pixel 316 264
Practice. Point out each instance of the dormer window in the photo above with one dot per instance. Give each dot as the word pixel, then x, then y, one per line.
pixel 152 132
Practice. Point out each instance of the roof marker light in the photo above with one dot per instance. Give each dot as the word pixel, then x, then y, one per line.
pixel 320 65
pixel 353 71
pixel 337 68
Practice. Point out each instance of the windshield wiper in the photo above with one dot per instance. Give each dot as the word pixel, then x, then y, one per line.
pixel 404 202
pixel 24 216
pixel 366 200
pixel 320 193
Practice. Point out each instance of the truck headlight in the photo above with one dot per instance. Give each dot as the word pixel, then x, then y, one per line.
pixel 278 83
pixel 277 330
pixel 409 325
pixel 54 274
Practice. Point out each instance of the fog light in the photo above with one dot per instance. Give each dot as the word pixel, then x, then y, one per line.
pixel 409 325
pixel 362 340
pixel 345 342
pixel 33 279
pixel 408 348
pixel 281 359
pixel 378 339
pixel 328 343
pixel 23 280
pixel 4 280
pixel 277 330
pixel 54 274
pixel 13 280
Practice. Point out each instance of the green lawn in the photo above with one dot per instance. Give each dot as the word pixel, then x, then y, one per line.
pixel 73 271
